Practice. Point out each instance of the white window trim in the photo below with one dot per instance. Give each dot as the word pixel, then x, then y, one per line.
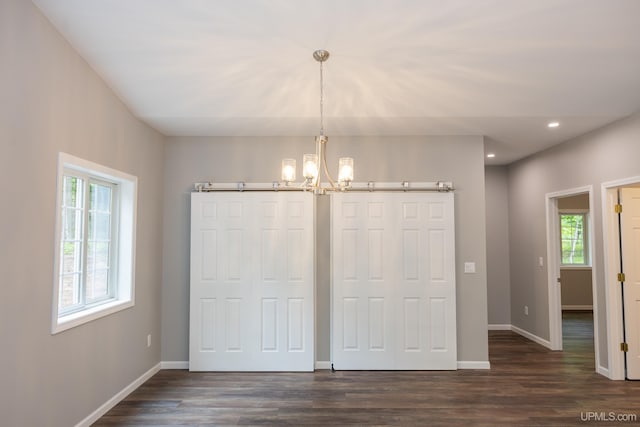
pixel 586 238
pixel 127 211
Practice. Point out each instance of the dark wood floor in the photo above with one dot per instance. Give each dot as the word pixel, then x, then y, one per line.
pixel 527 385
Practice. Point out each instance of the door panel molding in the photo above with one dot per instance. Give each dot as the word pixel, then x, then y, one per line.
pixel 252 282
pixel 393 281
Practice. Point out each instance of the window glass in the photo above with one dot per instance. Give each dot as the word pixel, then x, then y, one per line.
pixel 99 242
pixel 573 244
pixel 71 242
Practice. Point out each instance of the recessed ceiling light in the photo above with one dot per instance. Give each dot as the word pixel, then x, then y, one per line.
pixel 491 155
pixel 553 124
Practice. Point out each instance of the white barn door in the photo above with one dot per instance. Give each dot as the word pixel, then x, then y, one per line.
pixel 252 282
pixel 393 281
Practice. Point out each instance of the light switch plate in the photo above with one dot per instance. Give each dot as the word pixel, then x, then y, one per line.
pixel 469 267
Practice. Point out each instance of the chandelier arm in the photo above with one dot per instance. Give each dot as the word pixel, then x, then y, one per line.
pixel 316 180
pixel 324 166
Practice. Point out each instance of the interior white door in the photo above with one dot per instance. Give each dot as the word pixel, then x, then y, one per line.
pixel 393 281
pixel 252 282
pixel 630 235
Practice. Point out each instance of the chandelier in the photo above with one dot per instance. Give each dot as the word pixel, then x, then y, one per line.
pixel 313 165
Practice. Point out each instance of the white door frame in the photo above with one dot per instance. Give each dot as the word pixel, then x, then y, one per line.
pixel 611 269
pixel 553 267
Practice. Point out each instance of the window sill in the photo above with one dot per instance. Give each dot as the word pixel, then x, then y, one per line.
pixel 576 267
pixel 80 318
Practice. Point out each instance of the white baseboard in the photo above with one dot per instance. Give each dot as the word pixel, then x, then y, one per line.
pixel 577 307
pixel 469 364
pixel 104 408
pixel 531 336
pixel 321 364
pixel 499 327
pixel 174 364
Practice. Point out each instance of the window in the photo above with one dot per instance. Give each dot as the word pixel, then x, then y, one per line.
pixel 573 239
pixel 94 242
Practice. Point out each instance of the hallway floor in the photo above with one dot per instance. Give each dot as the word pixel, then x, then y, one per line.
pixel 527 385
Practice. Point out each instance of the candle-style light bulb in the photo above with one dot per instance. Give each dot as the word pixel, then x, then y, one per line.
pixel 288 170
pixel 310 166
pixel 345 170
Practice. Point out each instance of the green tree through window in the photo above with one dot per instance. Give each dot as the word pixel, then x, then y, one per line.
pixel 573 243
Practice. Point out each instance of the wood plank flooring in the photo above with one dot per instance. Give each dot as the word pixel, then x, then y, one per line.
pixel 527 385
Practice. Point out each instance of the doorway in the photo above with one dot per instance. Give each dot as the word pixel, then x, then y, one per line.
pixel 570 267
pixel 576 284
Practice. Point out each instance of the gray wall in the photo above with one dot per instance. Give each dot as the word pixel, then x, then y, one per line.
pixel 52 101
pixel 607 154
pixel 457 159
pixel 576 289
pixel 497 212
pixel 580 201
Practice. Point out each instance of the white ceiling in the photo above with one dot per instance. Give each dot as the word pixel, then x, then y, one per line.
pixel 499 68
